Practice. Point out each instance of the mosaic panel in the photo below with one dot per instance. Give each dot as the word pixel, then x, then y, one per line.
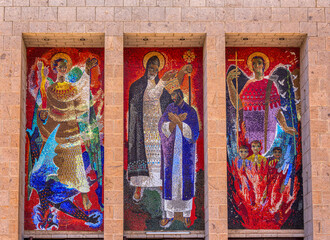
pixel 264 138
pixel 64 151
pixel 164 165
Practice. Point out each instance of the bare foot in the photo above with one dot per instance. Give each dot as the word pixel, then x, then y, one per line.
pixel 137 194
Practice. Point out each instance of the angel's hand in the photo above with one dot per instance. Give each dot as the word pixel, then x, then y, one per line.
pixel 291 130
pixel 233 74
pixel 90 63
pixel 39 64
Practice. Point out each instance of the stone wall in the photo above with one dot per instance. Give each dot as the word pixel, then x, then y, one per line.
pixel 216 19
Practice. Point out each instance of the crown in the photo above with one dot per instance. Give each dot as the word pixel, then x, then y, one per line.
pixel 172 84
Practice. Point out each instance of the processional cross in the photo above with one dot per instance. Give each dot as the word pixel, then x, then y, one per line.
pixel 189 57
pixel 236 60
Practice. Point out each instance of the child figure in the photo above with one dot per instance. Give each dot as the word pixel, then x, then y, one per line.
pixel 256 158
pixel 272 161
pixel 242 161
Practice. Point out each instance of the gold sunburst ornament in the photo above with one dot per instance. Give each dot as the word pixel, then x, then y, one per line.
pixel 62 56
pixel 189 56
pixel 151 54
pixel 258 54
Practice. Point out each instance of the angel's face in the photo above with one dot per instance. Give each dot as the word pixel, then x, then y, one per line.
pixel 258 65
pixel 61 68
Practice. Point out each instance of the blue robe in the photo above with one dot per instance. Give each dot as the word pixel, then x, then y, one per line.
pixel 188 152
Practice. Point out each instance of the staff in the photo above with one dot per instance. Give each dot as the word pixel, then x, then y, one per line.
pixel 189 57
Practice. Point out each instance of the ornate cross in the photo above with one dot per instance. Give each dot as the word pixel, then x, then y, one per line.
pixel 236 60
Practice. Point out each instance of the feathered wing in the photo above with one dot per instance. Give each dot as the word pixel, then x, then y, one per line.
pixel 282 78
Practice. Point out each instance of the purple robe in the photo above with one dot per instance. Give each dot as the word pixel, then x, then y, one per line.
pixel 188 152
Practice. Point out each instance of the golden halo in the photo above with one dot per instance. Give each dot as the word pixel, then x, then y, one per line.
pixel 258 54
pixel 63 56
pixel 151 54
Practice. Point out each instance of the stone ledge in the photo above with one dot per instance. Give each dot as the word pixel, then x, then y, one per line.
pixel 261 233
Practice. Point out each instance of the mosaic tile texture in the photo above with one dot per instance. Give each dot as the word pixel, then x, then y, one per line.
pixel 64 139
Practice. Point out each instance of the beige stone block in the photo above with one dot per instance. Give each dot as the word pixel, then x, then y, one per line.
pixel 180 3
pixel 55 27
pixel 4 227
pixel 323 3
pixel 4 184
pixel 48 13
pixel 14 142
pixel 218 226
pixel 114 3
pixel 149 3
pixel 57 3
pixel 197 3
pixel 316 14
pixel 113 226
pixel 38 3
pixel 234 3
pixel 289 27
pixel 308 27
pixel 94 3
pixel 325 140
pixel 147 27
pixel 216 140
pixel 105 13
pixel 217 183
pixel 118 213
pixel 131 3
pixel 156 13
pixel 317 71
pixel 96 27
pixel 130 27
pixel 298 14
pixel 319 154
pixel 261 14
pixel 75 27
pixel 11 126
pixel 321 169
pixel 214 168
pixel 114 28
pixel 306 3
pixel 86 14
pixel 206 14
pixel 140 13
pixel 213 212
pixel 243 14
pixel 12 13
pixel 215 3
pixel 123 14
pixel 67 14
pixel 190 14
pixel 289 3
pixel 21 3
pixel 323 29
pixel 75 3
pixel 280 14
pixel 173 14
pixel 319 99
pixel 30 13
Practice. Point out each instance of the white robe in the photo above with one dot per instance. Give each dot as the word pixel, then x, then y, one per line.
pixel 151 115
